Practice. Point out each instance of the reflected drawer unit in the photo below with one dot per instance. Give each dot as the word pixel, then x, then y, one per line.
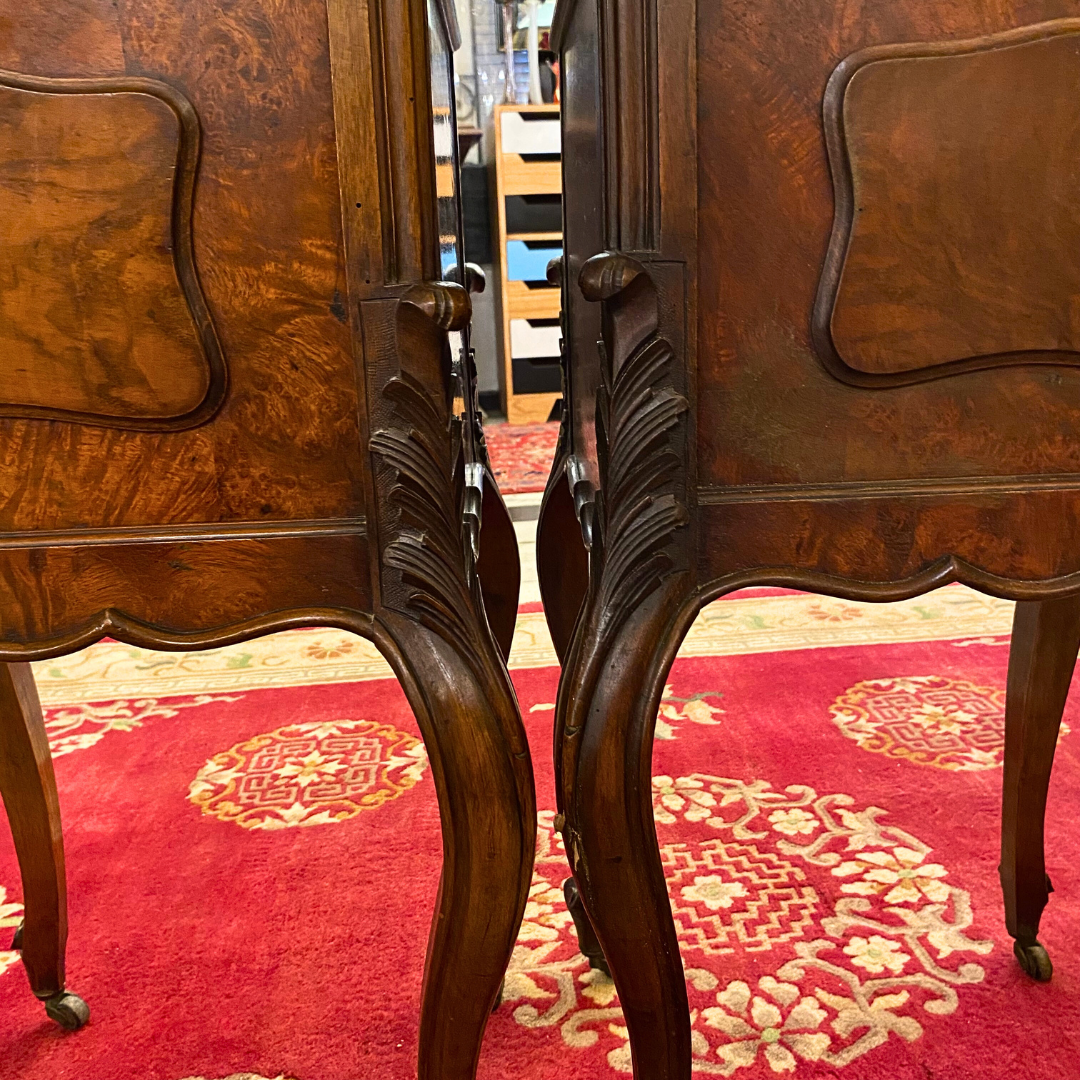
pixel 534 337
pixel 527 260
pixel 528 198
pixel 529 133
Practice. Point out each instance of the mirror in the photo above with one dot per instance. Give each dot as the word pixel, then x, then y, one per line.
pixel 443 38
pixel 545 12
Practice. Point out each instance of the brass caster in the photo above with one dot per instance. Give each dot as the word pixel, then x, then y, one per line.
pixel 1035 960
pixel 68 1010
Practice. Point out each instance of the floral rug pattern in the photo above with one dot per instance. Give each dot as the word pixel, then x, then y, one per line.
pixel 860 934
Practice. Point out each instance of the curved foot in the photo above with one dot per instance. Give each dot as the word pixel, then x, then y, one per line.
pixel 1034 959
pixel 68 1010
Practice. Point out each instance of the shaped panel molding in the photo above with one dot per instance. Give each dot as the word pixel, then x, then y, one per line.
pixel 956 239
pixel 102 319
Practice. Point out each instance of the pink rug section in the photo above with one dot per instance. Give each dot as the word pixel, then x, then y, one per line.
pixel 521 455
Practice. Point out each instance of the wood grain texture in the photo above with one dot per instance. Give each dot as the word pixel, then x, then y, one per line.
pixel 1045 640
pixel 327 489
pixel 52 599
pixel 957 225
pixel 772 411
pixel 70 38
pixel 102 319
pixel 267 244
pixel 639 580
pixel 28 787
pixel 877 485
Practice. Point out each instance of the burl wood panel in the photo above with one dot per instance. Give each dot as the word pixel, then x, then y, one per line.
pixel 267 223
pixel 768 410
pixel 957 239
pixel 95 256
pixel 51 599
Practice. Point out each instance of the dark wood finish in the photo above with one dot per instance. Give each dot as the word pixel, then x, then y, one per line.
pixel 1045 640
pixel 28 788
pixel 804 348
pixel 562 558
pixel 499 566
pixel 562 564
pixel 587 941
pixel 955 216
pixel 278 169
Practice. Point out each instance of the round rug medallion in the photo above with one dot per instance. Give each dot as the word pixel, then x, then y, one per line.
pixel 308 774
pixel 927 720
pixel 810 928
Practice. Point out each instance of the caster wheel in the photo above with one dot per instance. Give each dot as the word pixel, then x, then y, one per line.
pixel 68 1010
pixel 16 941
pixel 1035 960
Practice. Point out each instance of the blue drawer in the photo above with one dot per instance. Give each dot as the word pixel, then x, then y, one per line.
pixel 526 260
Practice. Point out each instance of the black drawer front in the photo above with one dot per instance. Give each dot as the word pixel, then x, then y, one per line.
pixel 533 213
pixel 536 375
pixel 476 210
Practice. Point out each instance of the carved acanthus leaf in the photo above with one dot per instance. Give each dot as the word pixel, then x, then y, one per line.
pixel 639 416
pixel 426 546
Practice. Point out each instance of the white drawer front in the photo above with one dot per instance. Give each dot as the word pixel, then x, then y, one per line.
pixel 527 340
pixel 523 136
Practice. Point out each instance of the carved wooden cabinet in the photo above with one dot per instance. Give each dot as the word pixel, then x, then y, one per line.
pixel 226 405
pixel 820 313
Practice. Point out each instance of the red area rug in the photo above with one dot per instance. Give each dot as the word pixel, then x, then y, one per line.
pixel 521 454
pixel 252 869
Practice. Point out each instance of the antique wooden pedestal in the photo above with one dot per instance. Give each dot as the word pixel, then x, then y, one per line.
pixel 226 406
pixel 821 331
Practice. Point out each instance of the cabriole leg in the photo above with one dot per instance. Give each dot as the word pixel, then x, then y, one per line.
pixel 1045 639
pixel 608 708
pixel 28 788
pixel 480 763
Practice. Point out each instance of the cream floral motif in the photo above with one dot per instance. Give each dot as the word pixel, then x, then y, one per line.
pixel 749 898
pixel 793 822
pixel 308 774
pixel 902 873
pixel 10 917
pixel 695 710
pixel 876 954
pixel 713 891
pixel 777 1027
pixel 78 727
pixel 927 720
pixel 684 796
pixel 851 973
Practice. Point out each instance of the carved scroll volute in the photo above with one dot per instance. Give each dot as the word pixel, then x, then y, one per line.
pixel 446 304
pixel 640 539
